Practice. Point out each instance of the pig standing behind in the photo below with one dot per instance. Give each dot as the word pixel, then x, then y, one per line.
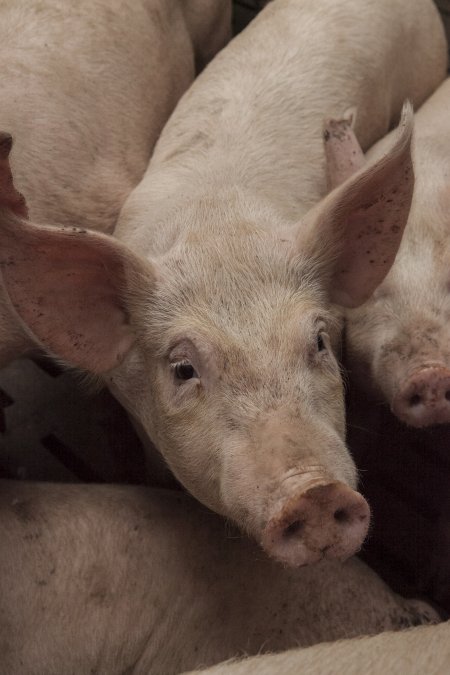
pixel 110 579
pixel 86 87
pixel 398 342
pixel 419 651
pixel 211 319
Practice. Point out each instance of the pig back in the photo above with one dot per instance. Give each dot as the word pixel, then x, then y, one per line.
pixel 261 103
pixel 86 88
pixel 109 571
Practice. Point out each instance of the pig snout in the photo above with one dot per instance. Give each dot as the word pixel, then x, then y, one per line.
pixel 424 398
pixel 326 521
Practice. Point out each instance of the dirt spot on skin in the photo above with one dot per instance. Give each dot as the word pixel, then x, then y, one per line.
pixel 98 594
pixel 23 510
pixel 97 585
pixel 33 536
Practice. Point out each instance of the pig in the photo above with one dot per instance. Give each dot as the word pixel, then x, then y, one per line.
pixel 114 579
pixel 425 649
pixel 397 346
pixel 86 89
pixel 209 314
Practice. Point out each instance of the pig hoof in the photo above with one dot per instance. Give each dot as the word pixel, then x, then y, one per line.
pixel 326 521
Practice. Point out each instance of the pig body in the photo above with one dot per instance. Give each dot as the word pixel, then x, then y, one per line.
pixel 397 342
pixel 210 318
pixel 425 649
pixel 126 579
pixel 86 89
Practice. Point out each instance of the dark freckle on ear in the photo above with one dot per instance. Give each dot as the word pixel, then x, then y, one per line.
pixel 371 261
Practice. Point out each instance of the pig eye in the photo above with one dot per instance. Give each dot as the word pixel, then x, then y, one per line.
pixel 184 370
pixel 321 346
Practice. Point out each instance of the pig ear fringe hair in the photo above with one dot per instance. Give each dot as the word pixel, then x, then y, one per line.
pixel 89 382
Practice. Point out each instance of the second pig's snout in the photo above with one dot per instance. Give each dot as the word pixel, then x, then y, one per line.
pixel 424 399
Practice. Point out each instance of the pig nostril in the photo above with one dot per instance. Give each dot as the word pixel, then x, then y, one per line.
pixel 293 528
pixel 341 516
pixel 415 400
pixel 447 395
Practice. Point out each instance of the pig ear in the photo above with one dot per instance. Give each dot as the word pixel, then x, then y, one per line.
pixel 354 234
pixel 10 198
pixel 343 153
pixel 69 287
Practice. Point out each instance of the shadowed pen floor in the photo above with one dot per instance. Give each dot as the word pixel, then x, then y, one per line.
pixel 52 429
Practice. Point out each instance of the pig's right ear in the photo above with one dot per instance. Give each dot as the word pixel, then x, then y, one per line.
pixel 70 288
pixel 10 197
pixel 354 234
pixel 343 153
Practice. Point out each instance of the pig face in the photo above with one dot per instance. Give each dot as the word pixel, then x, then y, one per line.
pixel 398 341
pixel 224 351
pixel 243 399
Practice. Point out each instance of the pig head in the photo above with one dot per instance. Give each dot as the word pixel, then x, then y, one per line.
pixel 224 348
pixel 397 342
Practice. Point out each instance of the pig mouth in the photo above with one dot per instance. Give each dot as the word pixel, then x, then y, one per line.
pixel 329 520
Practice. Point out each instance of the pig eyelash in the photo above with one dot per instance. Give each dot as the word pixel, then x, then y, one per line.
pixel 183 370
pixel 321 335
pixel 321 346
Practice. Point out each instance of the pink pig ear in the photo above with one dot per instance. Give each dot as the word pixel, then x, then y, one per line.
pixel 69 287
pixel 354 234
pixel 343 153
pixel 9 196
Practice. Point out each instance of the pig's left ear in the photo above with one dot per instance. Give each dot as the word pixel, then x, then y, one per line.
pixel 70 288
pixel 354 234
